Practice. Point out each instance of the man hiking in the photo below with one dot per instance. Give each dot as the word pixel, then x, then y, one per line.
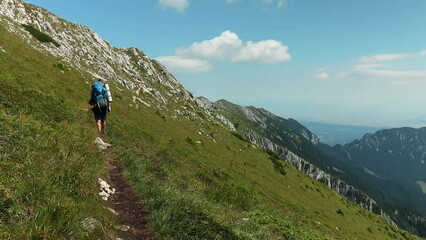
pixel 99 96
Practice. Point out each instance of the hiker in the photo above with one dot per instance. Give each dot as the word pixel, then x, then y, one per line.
pixel 99 103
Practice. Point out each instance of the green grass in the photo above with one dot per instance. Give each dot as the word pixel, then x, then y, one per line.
pixel 211 185
pixel 422 185
pixel 48 163
pixel 228 189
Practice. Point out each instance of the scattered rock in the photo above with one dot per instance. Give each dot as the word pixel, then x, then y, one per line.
pixel 123 228
pixel 2 49
pixel 113 211
pixel 90 224
pixel 106 189
pixel 317 222
pixel 245 219
pixel 101 144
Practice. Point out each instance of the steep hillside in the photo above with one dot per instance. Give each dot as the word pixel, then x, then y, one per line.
pixel 396 201
pixel 197 178
pixel 392 153
pixel 397 156
pixel 295 144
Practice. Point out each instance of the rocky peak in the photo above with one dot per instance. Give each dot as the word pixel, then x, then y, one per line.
pixel 80 47
pixel 394 142
pixel 84 49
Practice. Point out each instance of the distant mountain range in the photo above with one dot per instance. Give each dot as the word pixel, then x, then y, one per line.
pixel 396 156
pixel 333 134
pixel 382 172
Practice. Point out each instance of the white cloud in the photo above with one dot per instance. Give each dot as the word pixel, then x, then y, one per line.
pixel 265 52
pixel 278 3
pixel 392 73
pixel 384 57
pixel 178 5
pixel 217 48
pixel 227 47
pixel 231 1
pixel 423 53
pixel 321 76
pixel 185 64
pixel 373 66
pixel 281 3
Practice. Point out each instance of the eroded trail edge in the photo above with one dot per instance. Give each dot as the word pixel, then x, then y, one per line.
pixel 130 211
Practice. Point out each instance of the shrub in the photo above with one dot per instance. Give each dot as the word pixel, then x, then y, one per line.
pixel 239 136
pixel 62 67
pixel 278 165
pixel 42 37
pixel 190 141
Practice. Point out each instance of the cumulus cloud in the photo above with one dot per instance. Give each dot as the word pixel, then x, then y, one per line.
pixel 228 46
pixel 423 53
pixel 185 64
pixel 217 48
pixel 265 52
pixel 178 5
pixel 321 76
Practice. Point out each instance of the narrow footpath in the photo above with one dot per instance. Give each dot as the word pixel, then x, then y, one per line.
pixel 130 211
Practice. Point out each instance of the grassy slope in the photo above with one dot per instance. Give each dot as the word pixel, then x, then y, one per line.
pixel 48 164
pixel 229 189
pixel 223 190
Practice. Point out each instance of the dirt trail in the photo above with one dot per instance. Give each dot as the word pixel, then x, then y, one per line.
pixel 132 216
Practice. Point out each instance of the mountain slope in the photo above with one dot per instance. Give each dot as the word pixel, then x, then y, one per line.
pixel 399 202
pixel 385 151
pixel 397 156
pixel 196 177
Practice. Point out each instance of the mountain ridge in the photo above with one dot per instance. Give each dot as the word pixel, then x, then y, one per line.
pixel 311 157
pixel 198 178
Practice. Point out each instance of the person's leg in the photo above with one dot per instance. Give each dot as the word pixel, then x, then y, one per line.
pixel 99 125
pixel 103 118
pixel 103 126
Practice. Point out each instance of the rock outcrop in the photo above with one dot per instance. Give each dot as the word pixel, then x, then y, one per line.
pixel 312 171
pixel 80 47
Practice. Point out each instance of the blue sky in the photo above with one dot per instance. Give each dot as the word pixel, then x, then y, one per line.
pixel 360 62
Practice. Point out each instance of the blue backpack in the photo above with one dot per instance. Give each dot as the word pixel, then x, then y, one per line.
pixel 98 95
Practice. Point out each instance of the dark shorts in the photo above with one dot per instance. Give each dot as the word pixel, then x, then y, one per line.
pixel 100 113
